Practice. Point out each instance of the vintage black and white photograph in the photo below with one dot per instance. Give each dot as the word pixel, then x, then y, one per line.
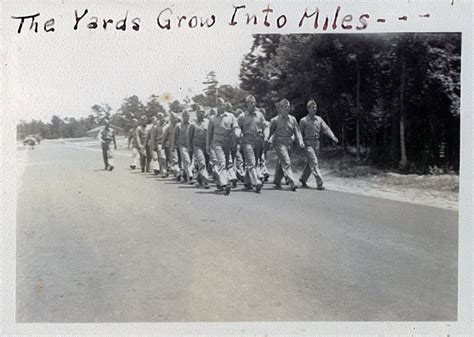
pixel 235 177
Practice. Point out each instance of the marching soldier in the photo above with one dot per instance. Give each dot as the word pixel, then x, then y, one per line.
pixel 237 156
pixel 181 140
pixel 220 133
pixel 107 136
pixel 252 124
pixel 139 141
pixel 282 128
pixel 149 157
pixel 131 144
pixel 262 167
pixel 197 138
pixel 158 151
pixel 169 145
pixel 312 127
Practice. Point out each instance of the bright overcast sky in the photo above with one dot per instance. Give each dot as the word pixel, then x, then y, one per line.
pixel 66 72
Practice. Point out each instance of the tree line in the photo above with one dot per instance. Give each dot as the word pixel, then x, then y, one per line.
pixel 392 98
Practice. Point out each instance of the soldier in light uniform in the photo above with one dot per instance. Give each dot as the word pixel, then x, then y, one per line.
pixel 282 128
pixel 139 141
pixel 107 136
pixel 312 127
pixel 149 156
pixel 170 146
pixel 237 156
pixel 252 124
pixel 197 138
pixel 261 159
pixel 131 144
pixel 181 140
pixel 158 151
pixel 220 132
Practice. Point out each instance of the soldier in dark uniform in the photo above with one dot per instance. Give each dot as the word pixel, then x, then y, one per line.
pixel 107 136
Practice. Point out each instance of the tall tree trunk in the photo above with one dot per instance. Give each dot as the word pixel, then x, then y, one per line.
pixel 403 153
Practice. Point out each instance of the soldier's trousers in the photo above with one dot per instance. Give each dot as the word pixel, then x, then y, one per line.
pixel 135 156
pixel 142 153
pixel 283 168
pixel 107 155
pixel 199 155
pixel 212 163
pixel 312 165
pixel 238 161
pixel 186 161
pixel 224 167
pixel 261 165
pixel 149 158
pixel 172 160
pixel 160 157
pixel 251 151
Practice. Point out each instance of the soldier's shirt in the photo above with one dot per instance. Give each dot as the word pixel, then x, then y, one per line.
pixel 198 130
pixel 140 136
pixel 252 125
pixel 221 128
pixel 157 134
pixel 181 134
pixel 311 129
pixel 168 135
pixel 283 129
pixel 148 140
pixel 106 135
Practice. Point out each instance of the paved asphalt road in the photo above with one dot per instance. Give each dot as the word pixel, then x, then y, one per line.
pixel 97 246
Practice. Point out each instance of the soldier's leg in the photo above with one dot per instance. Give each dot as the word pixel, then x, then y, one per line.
pixel 239 163
pixel 143 159
pixel 174 166
pixel 250 163
pixel 162 160
pixel 220 166
pixel 284 156
pixel 135 155
pixel 148 158
pixel 200 159
pixel 110 157
pixel 278 174
pixel 154 161
pixel 231 175
pixel 311 154
pixel 186 162
pixel 104 155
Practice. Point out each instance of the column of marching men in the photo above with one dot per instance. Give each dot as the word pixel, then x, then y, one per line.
pixel 226 147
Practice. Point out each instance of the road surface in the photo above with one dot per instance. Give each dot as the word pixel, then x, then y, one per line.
pixel 122 246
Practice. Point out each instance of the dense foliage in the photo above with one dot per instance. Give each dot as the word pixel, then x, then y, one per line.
pixel 395 97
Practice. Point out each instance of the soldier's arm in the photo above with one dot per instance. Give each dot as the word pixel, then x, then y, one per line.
pixel 99 135
pixel 302 126
pixel 137 134
pixel 272 129
pixel 210 134
pixel 190 136
pixel 236 128
pixel 115 143
pixel 165 135
pixel 174 141
pixel 297 132
pixel 266 134
pixel 328 132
